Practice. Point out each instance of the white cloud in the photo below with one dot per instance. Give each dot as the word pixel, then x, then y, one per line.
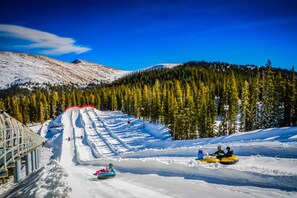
pixel 49 44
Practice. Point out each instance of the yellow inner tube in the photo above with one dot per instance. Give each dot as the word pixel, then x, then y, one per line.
pixel 210 160
pixel 225 160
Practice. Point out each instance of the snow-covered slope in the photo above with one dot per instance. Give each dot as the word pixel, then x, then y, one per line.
pixel 164 65
pixel 161 66
pixel 22 68
pixel 150 164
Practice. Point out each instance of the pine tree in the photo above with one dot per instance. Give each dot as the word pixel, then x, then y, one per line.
pixel 46 106
pixel 135 104
pixel 145 101
pixel 212 115
pixel 232 102
pixel 294 97
pixel 8 105
pixel 114 103
pixel 164 105
pixel 255 103
pixel 69 100
pixel 202 110
pixel 72 98
pixel 2 105
pixel 127 108
pixel 78 96
pixel 278 106
pixel 173 111
pixel 33 108
pixel 190 113
pixel 245 119
pixel 61 104
pixel 53 104
pixel 178 93
pixel 138 99
pixel 91 99
pixel 156 102
pixel 41 114
pixel 25 106
pixel 16 109
pixel 83 99
pixel 267 96
pixel 290 102
pixel 224 110
pixel 97 101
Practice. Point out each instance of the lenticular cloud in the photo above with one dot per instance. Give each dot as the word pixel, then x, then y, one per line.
pixel 48 43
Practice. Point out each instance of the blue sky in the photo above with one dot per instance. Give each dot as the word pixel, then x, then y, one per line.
pixel 134 34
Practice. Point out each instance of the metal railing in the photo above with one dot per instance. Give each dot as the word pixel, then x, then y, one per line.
pixel 16 140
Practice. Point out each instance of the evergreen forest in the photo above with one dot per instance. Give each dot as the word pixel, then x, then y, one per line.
pixel 195 99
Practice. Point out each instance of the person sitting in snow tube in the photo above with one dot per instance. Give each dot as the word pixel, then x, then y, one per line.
pixel 229 152
pixel 221 157
pixel 110 174
pixel 107 169
pixel 229 158
pixel 219 153
pixel 110 167
pixel 200 154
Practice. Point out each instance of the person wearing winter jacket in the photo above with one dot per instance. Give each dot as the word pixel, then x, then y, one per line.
pixel 111 167
pixel 219 153
pixel 106 169
pixel 229 152
pixel 200 154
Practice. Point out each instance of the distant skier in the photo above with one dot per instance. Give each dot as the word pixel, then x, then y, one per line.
pixel 68 138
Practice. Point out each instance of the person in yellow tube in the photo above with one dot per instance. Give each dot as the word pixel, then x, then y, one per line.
pixel 219 153
pixel 229 152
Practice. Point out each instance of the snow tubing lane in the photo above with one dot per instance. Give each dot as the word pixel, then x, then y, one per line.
pixel 225 160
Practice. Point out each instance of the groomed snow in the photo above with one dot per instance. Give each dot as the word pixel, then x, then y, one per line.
pixel 150 164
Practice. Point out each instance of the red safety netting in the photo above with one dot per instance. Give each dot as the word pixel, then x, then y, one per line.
pixel 81 107
pixel 85 106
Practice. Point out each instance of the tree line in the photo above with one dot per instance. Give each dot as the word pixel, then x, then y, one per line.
pixel 195 100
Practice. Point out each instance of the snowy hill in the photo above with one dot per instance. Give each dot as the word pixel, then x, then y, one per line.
pixel 22 68
pixel 164 65
pixel 161 66
pixel 150 164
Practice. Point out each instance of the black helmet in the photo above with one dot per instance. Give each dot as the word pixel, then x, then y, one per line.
pixel 228 148
pixel 110 165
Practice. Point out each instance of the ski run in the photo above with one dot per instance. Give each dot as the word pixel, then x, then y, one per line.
pixel 149 164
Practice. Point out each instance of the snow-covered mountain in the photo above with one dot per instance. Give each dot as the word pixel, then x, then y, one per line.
pixel 22 69
pixel 164 65
pixel 161 66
